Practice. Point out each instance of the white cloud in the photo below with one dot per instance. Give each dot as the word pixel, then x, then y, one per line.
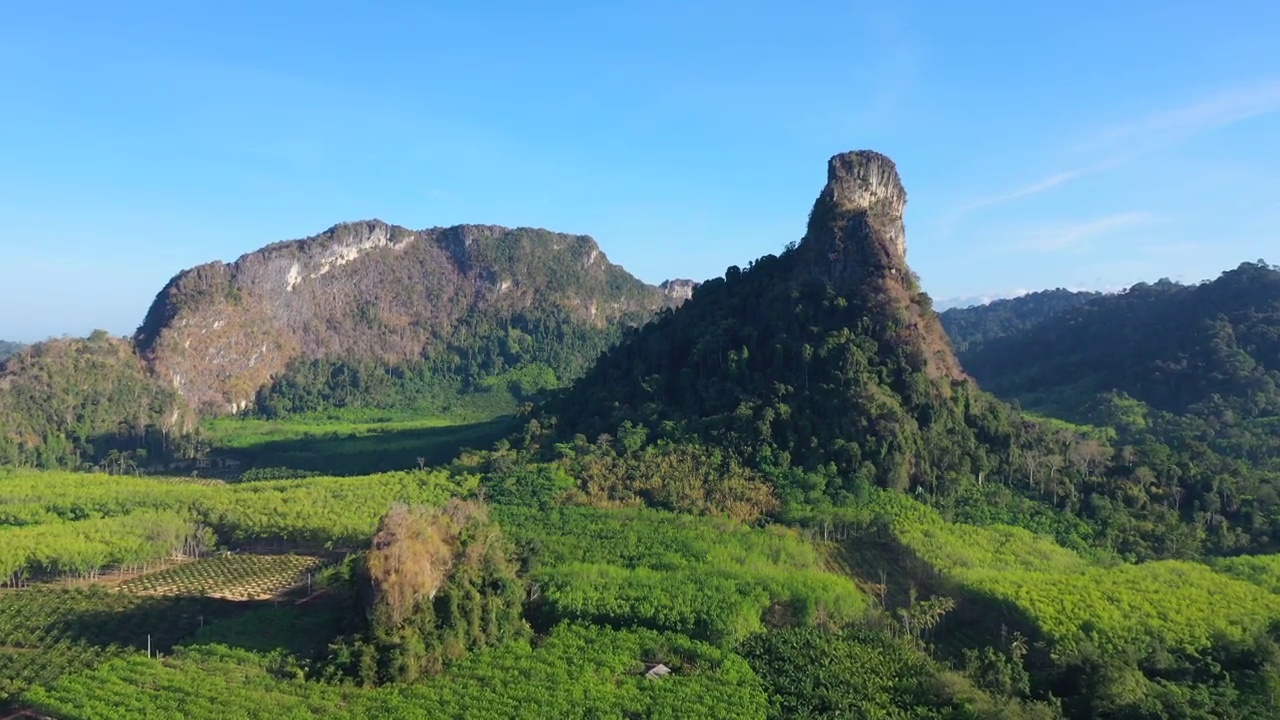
pixel 1158 130
pixel 972 300
pixel 1053 239
pixel 1213 112
pixel 1039 186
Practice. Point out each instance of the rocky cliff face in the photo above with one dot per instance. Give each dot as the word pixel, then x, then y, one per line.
pixel 867 183
pixel 218 332
pixel 856 240
pixel 678 290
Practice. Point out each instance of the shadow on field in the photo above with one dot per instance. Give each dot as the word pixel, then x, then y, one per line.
pixel 166 620
pixel 373 450
pixel 303 630
pixel 263 626
pixel 890 570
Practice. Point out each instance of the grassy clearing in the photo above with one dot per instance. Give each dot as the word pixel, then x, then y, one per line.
pixel 350 445
pixel 231 577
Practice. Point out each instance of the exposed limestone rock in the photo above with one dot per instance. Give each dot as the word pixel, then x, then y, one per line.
pixel 866 181
pixel 678 289
pixel 857 241
pixel 370 290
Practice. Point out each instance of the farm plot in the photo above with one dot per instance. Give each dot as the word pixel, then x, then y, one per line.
pixel 231 577
pixel 46 632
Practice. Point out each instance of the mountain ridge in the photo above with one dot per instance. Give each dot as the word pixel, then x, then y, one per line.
pixel 975 325
pixel 1168 344
pixel 449 308
pixel 369 289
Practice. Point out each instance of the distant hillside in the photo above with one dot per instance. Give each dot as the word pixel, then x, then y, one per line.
pixel 1185 379
pixel 1174 347
pixel 8 348
pixel 487 297
pixel 971 327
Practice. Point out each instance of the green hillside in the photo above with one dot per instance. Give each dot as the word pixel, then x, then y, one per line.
pixel 786 498
pixel 972 327
pixel 1180 380
pixel 76 403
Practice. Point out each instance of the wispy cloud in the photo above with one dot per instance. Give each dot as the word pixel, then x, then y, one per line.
pixel 948 222
pixel 1122 143
pixel 1213 112
pixel 1054 239
pixel 1034 188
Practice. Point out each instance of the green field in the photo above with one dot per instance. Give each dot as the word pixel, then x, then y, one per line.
pixel 711 579
pixel 576 672
pixel 77 525
pixel 46 632
pixel 1070 599
pixel 350 443
pixel 229 576
pixel 615 589
pixel 1261 570
pixel 608 592
pixel 611 592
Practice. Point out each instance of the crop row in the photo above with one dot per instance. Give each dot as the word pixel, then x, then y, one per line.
pixel 45 632
pixel 55 524
pixel 232 575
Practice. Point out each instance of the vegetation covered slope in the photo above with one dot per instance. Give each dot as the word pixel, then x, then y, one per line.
pixel 1165 639
pixel 823 371
pixel 1178 348
pixel 484 297
pixel 1181 379
pixel 65 402
pixel 827 355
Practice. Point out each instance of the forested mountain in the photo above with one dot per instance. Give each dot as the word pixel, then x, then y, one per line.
pixel 477 298
pixel 63 402
pixel 813 375
pixel 1182 378
pixel 971 327
pixel 825 359
pixel 1180 348
pixel 8 348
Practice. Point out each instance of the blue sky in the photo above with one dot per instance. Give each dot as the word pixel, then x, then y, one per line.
pixel 1083 144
